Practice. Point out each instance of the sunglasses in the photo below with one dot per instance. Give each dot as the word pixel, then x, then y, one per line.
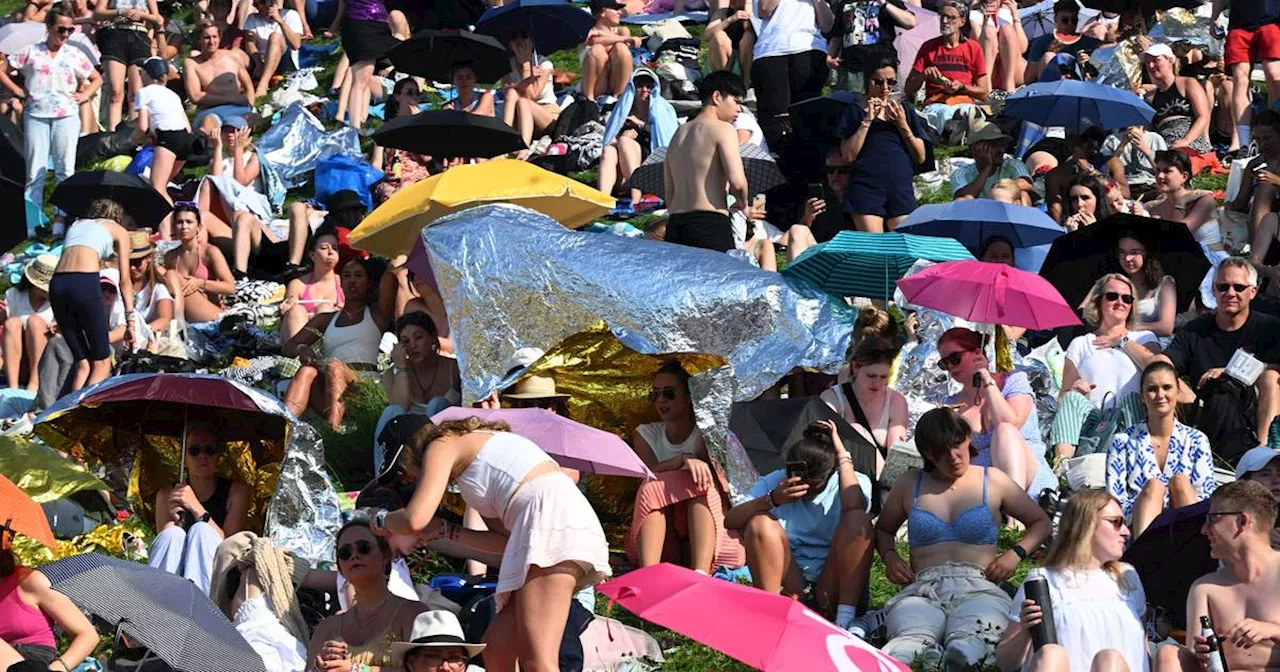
pixel 668 393
pixel 209 449
pixel 1224 286
pixel 1117 296
pixel 952 360
pixel 839 170
pixel 64 30
pixel 433 659
pixel 362 547
pixel 1224 513
pixel 884 82
pixel 1116 521
pixel 137 262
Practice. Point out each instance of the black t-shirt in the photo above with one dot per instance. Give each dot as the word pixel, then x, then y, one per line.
pixel 1037 48
pixel 1201 345
pixel 863 26
pixel 1253 14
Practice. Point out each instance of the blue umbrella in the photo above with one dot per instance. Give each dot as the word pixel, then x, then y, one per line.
pixel 857 263
pixel 553 24
pixel 972 222
pixel 1078 105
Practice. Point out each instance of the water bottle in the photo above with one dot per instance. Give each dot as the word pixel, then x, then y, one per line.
pixel 1036 588
pixel 1217 658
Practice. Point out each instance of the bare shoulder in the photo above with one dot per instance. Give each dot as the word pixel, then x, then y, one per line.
pixel 406 613
pixel 1211 582
pixel 240 489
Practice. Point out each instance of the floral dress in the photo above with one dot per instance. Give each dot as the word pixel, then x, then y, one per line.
pixel 1131 463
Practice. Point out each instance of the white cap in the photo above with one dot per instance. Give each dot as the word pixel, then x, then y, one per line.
pixel 1254 460
pixel 1159 49
pixel 524 358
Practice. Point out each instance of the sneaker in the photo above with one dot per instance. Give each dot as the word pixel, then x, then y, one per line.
pixel 929 660
pixel 867 624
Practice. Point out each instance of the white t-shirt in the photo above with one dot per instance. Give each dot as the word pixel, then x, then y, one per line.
pixel 1110 369
pixel 164 107
pixel 19 305
pixel 262 29
pixel 148 303
pixel 747 122
pixel 792 29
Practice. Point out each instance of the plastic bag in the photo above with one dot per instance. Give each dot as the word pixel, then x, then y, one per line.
pixel 339 172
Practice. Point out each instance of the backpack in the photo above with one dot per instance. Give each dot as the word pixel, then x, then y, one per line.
pixel 573 117
pixel 1095 437
pixel 585 145
pixel 1227 415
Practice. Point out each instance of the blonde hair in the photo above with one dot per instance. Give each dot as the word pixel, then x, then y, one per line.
pixel 422 439
pixel 1011 186
pixel 1073 547
pixel 1092 304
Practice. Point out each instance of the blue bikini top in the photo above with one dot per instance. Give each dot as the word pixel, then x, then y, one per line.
pixel 973 526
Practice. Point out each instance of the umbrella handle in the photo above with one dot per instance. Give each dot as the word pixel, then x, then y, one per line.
pixel 1001 292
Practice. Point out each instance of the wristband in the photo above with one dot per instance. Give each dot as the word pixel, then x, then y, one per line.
pixel 1019 551
pixel 772 504
pixel 380 520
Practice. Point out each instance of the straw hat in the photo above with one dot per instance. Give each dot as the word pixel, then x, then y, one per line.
pixel 39 271
pixel 438 629
pixel 140 245
pixel 534 387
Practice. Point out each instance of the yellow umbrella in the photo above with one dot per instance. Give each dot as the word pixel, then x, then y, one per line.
pixel 394 226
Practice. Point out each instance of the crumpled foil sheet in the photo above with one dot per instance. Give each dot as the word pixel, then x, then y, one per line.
pixel 512 278
pixel 41 472
pixel 296 142
pixel 713 392
pixel 106 539
pixel 294 500
pixel 1181 25
pixel 1121 65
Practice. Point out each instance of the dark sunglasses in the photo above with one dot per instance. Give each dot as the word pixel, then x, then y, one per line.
pixel 1114 296
pixel 1224 286
pixel 137 262
pixel 433 659
pixel 1116 521
pixel 209 449
pixel 668 393
pixel 839 170
pixel 951 360
pixel 362 547
pixel 884 82
pixel 64 30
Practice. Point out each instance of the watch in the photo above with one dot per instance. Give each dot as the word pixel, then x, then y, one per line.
pixel 1124 340
pixel 206 517
pixel 1019 551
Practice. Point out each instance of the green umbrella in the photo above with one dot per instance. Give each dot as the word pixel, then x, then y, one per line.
pixel 857 263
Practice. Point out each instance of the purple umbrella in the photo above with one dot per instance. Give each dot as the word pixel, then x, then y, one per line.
pixel 572 444
pixel 908 42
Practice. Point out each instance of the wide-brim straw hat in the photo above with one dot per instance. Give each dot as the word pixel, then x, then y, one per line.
pixel 39 271
pixel 534 387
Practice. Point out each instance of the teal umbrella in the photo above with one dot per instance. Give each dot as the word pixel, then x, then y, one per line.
pixel 857 263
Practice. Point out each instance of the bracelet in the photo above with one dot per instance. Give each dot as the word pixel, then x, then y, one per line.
pixel 845 459
pixel 63 663
pixel 1019 551
pixel 772 504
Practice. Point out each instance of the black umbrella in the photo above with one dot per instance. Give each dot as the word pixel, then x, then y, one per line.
pixel 13 164
pixel 433 53
pixel 818 119
pixel 762 171
pixel 1170 555
pixel 767 428
pixel 553 24
pixel 1079 258
pixel 163 611
pixel 1147 6
pixel 450 134
pixel 13 199
pixel 138 198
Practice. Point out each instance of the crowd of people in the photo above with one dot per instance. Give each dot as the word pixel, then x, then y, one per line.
pixel 1166 399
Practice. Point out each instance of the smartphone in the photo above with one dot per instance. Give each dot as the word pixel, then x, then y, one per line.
pixel 758 201
pixel 816 191
pixel 796 469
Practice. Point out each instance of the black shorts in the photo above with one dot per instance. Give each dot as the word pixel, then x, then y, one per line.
pixel 366 40
pixel 708 230
pixel 178 142
pixel 736 31
pixel 123 45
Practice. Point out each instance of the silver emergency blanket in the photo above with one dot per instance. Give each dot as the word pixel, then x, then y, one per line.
pixel 1120 65
pixel 297 141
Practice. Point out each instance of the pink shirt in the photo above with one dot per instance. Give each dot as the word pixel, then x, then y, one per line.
pixel 51 79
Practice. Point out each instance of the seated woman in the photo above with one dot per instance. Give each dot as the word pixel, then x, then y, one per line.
pixel 1160 463
pixel 1198 209
pixel 951 606
pixel 199 270
pixel 192 518
pixel 436 640
pixel 867 395
pixel 530 98
pixel 232 188
pixel 1156 293
pixel 811 530
pixel 1182 107
pixel 27 322
pixel 686 503
pixel 351 339
pixel 421 380
pixel 551 542
pixel 468 99
pixel 633 131
pixel 1000 408
pixel 362 636
pixel 1105 363
pixel 29 608
pixel 155 305
pixel 319 291
pixel 1098 601
pixel 1086 203
pixel 401 167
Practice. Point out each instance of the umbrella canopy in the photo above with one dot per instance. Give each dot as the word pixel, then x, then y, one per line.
pixel 1147 6
pixel 989 293
pixel 818 119
pixel 769 632
pixel 858 263
pixel 573 444
pixel 433 54
pixel 19 513
pixel 15 37
pixel 394 227
pixel 1078 105
pixel 13 199
pixel 451 134
pixel 163 611
pixel 762 171
pixel 138 198
pixel 908 42
pixel 971 222
pixel 1037 20
pixel 1078 259
pixel 1170 555
pixel 554 24
pixel 767 428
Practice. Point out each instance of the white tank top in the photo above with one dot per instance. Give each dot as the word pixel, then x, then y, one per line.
pixel 355 344
pixel 488 483
pixel 655 433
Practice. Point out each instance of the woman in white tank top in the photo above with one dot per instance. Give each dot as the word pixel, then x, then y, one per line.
pixel 551 542
pixel 882 407
pixel 350 336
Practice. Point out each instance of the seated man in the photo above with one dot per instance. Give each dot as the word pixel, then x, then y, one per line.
pixel 950 67
pixel 1065 39
pixel 606 56
pixel 1241 597
pixel 217 80
pixel 1131 159
pixel 1262 465
pixel 269 32
pixel 990 165
pixel 1201 350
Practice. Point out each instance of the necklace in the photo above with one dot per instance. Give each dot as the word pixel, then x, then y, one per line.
pixel 362 622
pixel 435 371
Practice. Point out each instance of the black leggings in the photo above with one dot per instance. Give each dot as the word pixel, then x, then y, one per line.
pixel 782 80
pixel 76 299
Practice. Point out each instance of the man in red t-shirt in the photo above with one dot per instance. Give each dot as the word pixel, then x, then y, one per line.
pixel 950 67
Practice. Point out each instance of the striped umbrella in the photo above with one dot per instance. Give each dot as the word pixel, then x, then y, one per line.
pixel 165 612
pixel 762 171
pixel 857 263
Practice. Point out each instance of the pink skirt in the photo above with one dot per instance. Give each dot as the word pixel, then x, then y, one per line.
pixel 671 489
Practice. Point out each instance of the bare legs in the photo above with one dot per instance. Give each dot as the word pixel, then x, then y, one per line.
pixel 361 90
pixel 606 70
pixel 1241 92
pixel 843 577
pixel 1151 500
pixel 655 533
pixel 529 628
pixel 618 161
pixel 525 115
pixel 164 165
pixel 270 63
pixel 1268 402
pixel 246 236
pixel 876 223
pixel 1010 454
pixel 1054 658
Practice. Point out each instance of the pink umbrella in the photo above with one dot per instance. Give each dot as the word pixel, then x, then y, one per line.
pixel 992 293
pixel 908 42
pixel 573 444
pixel 766 631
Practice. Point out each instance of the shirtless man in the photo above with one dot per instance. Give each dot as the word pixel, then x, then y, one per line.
pixel 217 80
pixel 1242 598
pixel 701 160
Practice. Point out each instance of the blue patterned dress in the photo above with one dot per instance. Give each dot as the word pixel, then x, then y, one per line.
pixel 1131 463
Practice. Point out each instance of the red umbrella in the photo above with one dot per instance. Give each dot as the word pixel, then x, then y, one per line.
pixel 20 514
pixel 978 291
pixel 767 631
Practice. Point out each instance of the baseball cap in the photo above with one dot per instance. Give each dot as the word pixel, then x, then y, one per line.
pixel 1255 459
pixel 597 5
pixel 1159 49
pixel 156 68
pixel 235 121
pixel 110 277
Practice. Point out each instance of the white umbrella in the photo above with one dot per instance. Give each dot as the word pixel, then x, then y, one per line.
pixel 1037 20
pixel 15 37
